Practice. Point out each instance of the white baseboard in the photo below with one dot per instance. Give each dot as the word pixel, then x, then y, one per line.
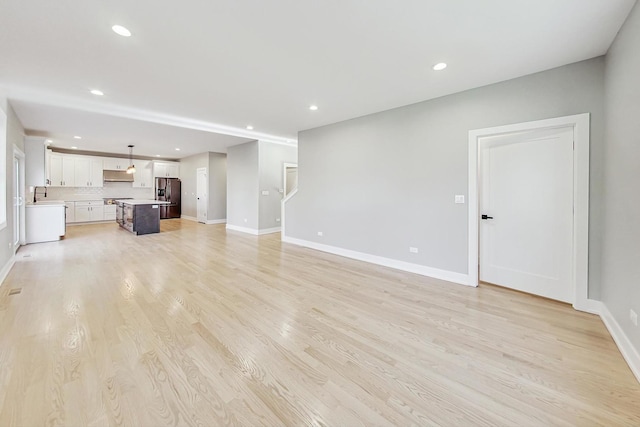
pixel 449 276
pixel 269 230
pixel 253 231
pixel 242 229
pixel 625 346
pixel 209 222
pixel 7 268
pixel 216 221
pixel 589 306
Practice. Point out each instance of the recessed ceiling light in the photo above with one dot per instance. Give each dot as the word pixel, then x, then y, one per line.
pixel 249 127
pixel 97 92
pixel 440 66
pixel 77 137
pixel 313 107
pixel 48 141
pixel 157 155
pixel 177 149
pixel 74 148
pixel 119 29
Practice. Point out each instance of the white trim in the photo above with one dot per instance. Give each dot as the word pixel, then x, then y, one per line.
pixel 242 229
pixel 625 346
pixel 253 231
pixel 580 124
pixel 189 218
pixel 449 276
pixel 18 153
pixel 269 230
pixel 49 98
pixel 7 268
pixel 283 209
pixel 589 306
pixel 216 221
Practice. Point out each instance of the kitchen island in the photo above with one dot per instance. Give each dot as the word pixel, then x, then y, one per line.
pixel 139 216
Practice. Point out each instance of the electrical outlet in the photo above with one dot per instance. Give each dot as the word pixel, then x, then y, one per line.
pixel 634 317
pixel 459 198
pixel 277 219
pixel 265 192
pixel 320 233
pixel 413 250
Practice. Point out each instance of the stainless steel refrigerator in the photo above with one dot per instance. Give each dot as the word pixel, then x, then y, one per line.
pixel 168 190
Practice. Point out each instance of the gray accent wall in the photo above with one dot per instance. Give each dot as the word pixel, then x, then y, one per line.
pixel 272 160
pixel 15 136
pixel 620 204
pixel 188 176
pixel 381 183
pixel 217 186
pixel 216 164
pixel 242 185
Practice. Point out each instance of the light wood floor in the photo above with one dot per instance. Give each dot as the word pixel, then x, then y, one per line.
pixel 199 326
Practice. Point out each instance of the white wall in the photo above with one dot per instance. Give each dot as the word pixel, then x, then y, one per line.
pixel 621 204
pixel 382 183
pixel 188 176
pixel 14 136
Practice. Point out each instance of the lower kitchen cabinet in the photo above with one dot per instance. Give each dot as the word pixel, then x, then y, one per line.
pixel 88 211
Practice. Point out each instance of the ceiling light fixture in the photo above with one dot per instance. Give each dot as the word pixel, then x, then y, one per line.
pixel 439 66
pixel 77 137
pixel 313 107
pixel 177 149
pixel 74 148
pixel 131 168
pixel 249 127
pixel 48 141
pixel 97 92
pixel 157 155
pixel 120 30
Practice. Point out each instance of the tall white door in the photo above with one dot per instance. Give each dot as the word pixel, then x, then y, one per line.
pixel 526 202
pixel 17 202
pixel 202 196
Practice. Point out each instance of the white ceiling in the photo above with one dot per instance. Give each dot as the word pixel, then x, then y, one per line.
pixel 219 65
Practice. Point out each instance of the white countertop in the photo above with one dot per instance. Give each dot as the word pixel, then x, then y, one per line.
pixel 142 202
pixel 45 203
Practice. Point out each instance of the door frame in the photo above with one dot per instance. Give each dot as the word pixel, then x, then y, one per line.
pixel 580 256
pixel 206 192
pixel 284 177
pixel 19 154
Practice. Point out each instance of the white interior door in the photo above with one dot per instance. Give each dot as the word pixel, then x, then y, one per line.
pixel 18 199
pixel 202 196
pixel 526 234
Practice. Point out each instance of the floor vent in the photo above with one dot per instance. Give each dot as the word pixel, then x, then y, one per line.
pixel 15 291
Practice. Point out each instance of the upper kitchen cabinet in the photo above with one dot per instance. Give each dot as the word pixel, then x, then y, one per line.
pixel 166 169
pixel 36 162
pixel 61 170
pixel 88 172
pixel 115 164
pixel 143 177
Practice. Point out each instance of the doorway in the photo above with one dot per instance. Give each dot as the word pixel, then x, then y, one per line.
pixel 290 179
pixel 18 198
pixel 506 245
pixel 202 194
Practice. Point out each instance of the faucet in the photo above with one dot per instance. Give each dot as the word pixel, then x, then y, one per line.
pixel 35 193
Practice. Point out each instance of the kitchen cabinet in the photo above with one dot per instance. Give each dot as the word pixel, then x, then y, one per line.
pixel 88 172
pixel 91 210
pixel 109 212
pixel 70 212
pixel 166 169
pixel 44 221
pixel 36 161
pixel 143 178
pixel 115 164
pixel 62 170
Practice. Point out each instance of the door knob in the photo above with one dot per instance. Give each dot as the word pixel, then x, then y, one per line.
pixel 486 217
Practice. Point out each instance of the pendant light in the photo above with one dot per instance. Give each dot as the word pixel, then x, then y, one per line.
pixel 131 168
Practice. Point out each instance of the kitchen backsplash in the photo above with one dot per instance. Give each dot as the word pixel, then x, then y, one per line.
pixel 110 189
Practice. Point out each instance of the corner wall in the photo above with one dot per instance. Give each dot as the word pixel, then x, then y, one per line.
pixel 242 186
pixel 14 136
pixel 621 205
pixel 272 160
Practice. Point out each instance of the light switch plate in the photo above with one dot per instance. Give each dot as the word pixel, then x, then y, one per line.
pixel 459 198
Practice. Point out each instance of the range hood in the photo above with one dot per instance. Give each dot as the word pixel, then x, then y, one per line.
pixel 117 176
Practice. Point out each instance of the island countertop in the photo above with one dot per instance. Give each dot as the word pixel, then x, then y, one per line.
pixel 141 202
